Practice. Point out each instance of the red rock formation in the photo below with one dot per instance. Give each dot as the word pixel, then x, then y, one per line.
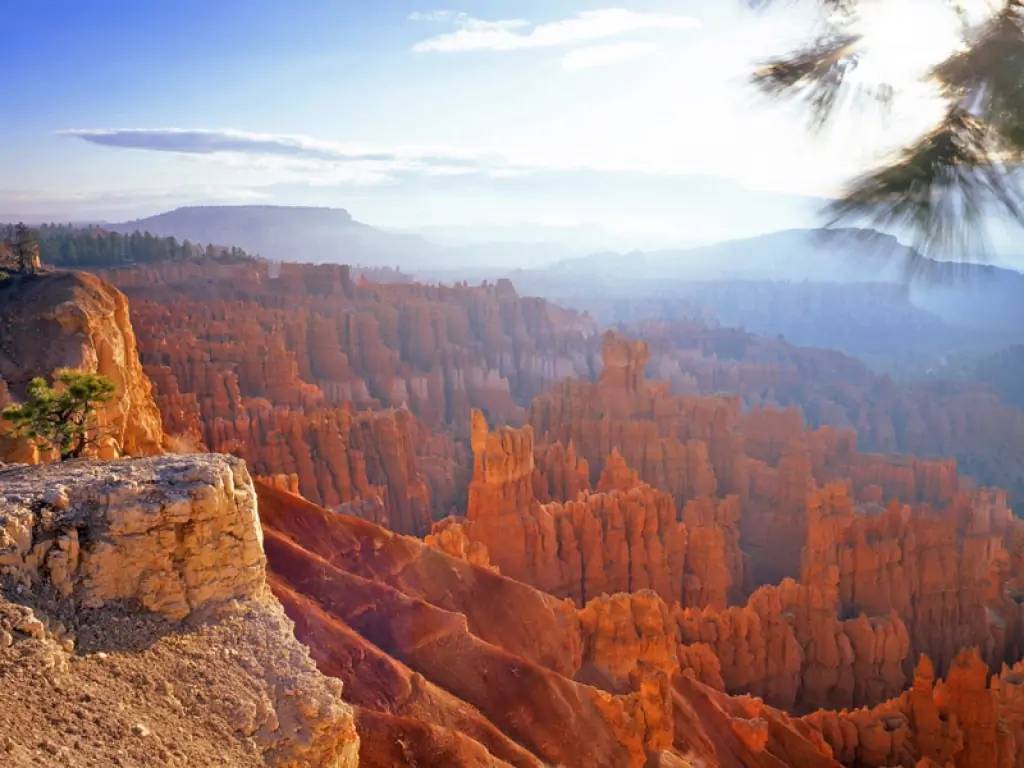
pixel 915 579
pixel 714 563
pixel 451 662
pixel 502 470
pixel 622 540
pixel 943 571
pixel 755 645
pixel 616 475
pixel 265 355
pixel 788 460
pixel 341 391
pixel 688 447
pixel 701 662
pixel 542 628
pixel 941 418
pixel 663 447
pixel 965 721
pixel 436 349
pixel 558 473
pixel 337 457
pixel 55 320
pixel 449 536
pixel 554 718
pixel 390 695
pixel 288 483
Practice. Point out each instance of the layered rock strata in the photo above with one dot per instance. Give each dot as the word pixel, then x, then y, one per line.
pixel 171 534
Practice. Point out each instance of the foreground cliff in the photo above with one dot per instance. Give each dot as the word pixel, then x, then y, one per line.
pixel 55 320
pixel 136 627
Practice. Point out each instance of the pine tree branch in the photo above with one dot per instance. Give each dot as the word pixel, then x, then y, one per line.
pixel 941 187
pixel 816 73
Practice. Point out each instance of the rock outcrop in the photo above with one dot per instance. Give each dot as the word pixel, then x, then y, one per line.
pixel 55 320
pixel 622 539
pixel 136 626
pixel 172 534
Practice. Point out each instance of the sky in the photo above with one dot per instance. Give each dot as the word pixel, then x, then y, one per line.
pixel 623 124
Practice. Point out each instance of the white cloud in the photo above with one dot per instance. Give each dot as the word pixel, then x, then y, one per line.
pixel 605 55
pixel 515 34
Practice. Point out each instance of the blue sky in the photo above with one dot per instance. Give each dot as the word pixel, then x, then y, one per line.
pixel 631 123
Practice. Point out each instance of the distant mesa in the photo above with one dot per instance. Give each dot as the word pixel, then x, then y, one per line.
pixel 287 233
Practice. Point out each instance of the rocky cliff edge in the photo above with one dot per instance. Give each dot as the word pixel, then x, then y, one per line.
pixel 136 627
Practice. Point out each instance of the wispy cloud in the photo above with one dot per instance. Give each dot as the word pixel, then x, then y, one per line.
pixel 206 141
pixel 472 34
pixel 296 152
pixel 604 55
pixel 438 15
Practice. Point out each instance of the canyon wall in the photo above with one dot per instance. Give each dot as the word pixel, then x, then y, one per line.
pixel 55 320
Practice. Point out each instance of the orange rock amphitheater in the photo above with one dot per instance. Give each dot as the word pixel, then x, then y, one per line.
pixel 515 541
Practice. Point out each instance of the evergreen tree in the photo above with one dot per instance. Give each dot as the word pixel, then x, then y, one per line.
pixel 26 249
pixel 62 418
pixel 942 186
pixel 85 247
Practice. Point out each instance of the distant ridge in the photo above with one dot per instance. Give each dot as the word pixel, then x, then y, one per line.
pixel 964 294
pixel 289 233
pixel 825 255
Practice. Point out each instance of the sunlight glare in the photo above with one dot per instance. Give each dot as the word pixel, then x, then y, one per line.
pixel 904 39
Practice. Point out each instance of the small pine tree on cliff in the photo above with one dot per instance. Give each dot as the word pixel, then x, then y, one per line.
pixel 26 249
pixel 61 417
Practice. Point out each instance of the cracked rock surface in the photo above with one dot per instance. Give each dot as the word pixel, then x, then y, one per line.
pixel 136 628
